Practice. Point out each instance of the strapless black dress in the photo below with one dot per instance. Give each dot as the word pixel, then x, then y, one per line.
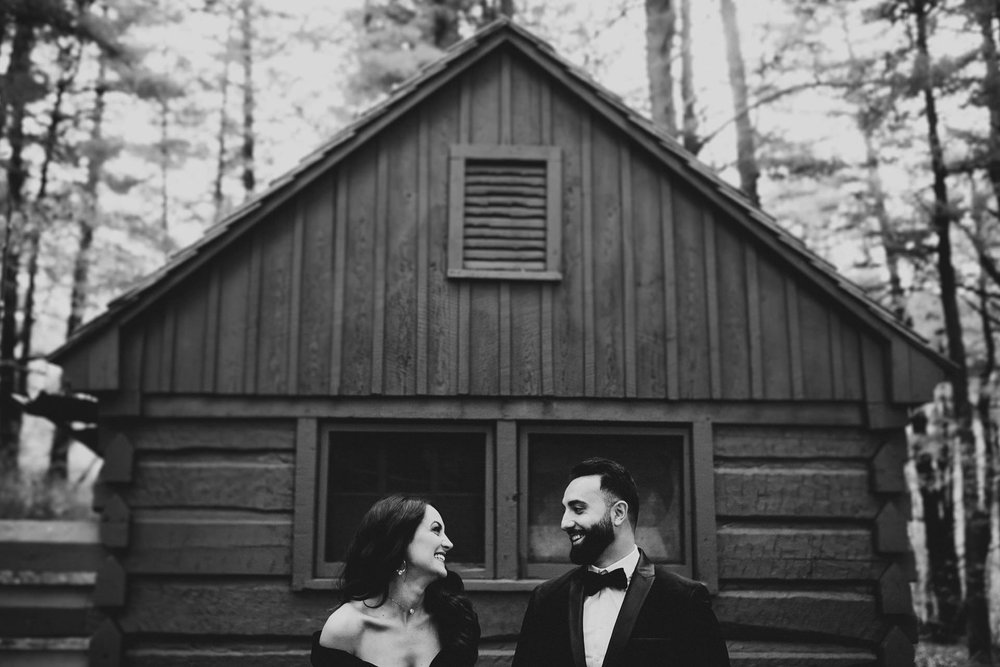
pixel 331 657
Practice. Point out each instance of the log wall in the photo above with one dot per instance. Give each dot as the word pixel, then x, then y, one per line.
pixel 813 562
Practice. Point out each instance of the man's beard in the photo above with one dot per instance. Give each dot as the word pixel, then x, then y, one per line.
pixel 596 539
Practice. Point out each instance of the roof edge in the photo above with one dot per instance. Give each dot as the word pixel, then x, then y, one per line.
pixel 431 78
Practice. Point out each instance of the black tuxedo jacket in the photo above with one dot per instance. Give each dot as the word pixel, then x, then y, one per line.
pixel 665 620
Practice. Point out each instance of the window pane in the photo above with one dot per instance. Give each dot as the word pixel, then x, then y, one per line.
pixel 446 469
pixel 655 462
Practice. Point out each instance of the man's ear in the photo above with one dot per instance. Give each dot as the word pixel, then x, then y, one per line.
pixel 619 512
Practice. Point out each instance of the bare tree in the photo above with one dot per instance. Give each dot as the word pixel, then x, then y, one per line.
pixel 14 102
pixel 689 128
pixel 976 522
pixel 984 13
pixel 746 158
pixel 87 219
pixel 871 109
pixel 661 19
pixel 249 177
pixel 68 61
pixel 218 196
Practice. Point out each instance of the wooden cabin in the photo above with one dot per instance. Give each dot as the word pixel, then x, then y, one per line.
pixel 496 272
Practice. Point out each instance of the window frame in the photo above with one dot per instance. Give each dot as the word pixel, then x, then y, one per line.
pixel 322 570
pixel 552 157
pixel 506 500
pixel 548 570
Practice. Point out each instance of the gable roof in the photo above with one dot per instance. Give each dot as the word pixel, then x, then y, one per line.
pixel 432 78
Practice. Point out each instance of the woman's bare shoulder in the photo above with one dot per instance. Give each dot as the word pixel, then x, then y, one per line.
pixel 343 627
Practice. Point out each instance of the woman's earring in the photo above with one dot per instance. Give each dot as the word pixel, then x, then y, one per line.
pixel 402 569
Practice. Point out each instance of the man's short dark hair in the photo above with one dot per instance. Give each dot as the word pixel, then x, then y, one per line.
pixel 616 481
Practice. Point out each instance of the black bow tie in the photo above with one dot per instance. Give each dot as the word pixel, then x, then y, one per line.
pixel 595 581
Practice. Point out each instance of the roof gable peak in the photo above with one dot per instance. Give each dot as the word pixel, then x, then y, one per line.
pixel 458 59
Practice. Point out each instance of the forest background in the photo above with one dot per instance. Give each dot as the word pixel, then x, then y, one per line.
pixel 868 128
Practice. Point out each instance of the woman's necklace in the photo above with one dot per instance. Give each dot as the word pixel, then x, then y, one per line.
pixel 408 610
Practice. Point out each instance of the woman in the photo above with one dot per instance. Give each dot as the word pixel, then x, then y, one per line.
pixel 401 606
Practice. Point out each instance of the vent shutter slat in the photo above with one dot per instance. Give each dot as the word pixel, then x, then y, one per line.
pixel 504 254
pixel 507 201
pixel 495 233
pixel 502 243
pixel 506 180
pixel 491 173
pixel 473 210
pixel 505 266
pixel 505 189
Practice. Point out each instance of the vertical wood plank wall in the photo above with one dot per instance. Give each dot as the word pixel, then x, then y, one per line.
pixel 343 289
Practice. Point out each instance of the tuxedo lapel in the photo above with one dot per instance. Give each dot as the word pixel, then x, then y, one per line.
pixel 576 618
pixel 642 581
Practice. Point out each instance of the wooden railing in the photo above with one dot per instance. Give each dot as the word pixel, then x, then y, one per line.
pixel 47 575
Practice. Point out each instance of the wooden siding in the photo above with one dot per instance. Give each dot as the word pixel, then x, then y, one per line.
pixel 97 367
pixel 343 290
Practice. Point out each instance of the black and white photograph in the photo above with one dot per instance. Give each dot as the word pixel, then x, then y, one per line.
pixel 499 333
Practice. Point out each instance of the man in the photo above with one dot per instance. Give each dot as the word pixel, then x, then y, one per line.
pixel 617 608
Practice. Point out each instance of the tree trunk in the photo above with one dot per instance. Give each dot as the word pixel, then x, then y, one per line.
pixel 985 15
pixel 746 159
pixel 218 196
pixel 992 462
pixel 978 212
pixel 934 475
pixel 69 60
pixel 984 402
pixel 692 141
pixel 87 219
pixel 18 71
pixel 165 176
pixel 989 343
pixel 869 117
pixel 246 26
pixel 32 243
pixel 507 8
pixel 439 21
pixel 661 20
pixel 976 609
pixel 979 527
pixel 59 454
pixel 5 23
pixel 886 233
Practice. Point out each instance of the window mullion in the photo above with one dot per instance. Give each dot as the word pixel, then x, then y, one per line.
pixel 703 472
pixel 507 500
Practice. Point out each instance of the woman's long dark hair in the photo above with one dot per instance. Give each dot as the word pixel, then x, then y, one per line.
pixel 377 551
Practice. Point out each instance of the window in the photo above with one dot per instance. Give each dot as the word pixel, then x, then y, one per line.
pixel 499 486
pixel 444 465
pixel 658 460
pixel 505 212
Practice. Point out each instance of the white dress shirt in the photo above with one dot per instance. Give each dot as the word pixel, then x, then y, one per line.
pixel 600 611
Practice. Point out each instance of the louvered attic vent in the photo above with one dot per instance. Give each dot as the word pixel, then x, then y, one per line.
pixel 505 212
